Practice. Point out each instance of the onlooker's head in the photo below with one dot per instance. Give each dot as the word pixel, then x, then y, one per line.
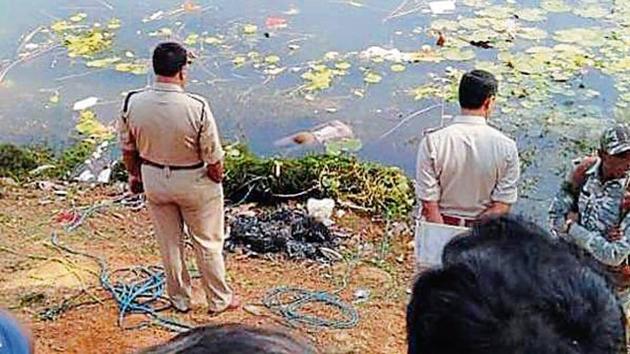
pixel 170 60
pixel 13 338
pixel 614 151
pixel 232 339
pixel 477 92
pixel 507 287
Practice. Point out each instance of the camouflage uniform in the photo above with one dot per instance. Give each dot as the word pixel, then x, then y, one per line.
pixel 600 208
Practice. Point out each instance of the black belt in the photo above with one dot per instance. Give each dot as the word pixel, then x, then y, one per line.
pixel 173 168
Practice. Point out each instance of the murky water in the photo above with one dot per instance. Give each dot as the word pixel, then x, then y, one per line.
pixel 264 97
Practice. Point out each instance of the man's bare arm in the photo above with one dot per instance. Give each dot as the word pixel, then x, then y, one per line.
pixel 431 212
pixel 496 209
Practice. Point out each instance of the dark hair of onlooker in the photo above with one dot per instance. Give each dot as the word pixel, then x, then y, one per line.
pixel 507 287
pixel 475 88
pixel 232 339
pixel 169 58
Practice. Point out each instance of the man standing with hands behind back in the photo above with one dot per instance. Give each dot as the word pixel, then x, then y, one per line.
pixel 171 147
pixel 468 170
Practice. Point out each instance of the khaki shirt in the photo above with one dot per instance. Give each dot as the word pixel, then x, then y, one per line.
pixel 466 166
pixel 169 126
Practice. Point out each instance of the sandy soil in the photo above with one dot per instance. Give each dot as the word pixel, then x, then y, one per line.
pixel 35 276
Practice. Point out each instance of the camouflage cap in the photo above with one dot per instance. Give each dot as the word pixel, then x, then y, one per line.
pixel 616 139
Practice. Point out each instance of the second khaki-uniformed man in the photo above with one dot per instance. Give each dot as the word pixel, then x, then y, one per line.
pixel 171 148
pixel 468 170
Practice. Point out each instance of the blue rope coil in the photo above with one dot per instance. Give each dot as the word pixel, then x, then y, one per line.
pixel 289 303
pixel 138 290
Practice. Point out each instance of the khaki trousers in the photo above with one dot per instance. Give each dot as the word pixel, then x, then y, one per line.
pixel 189 197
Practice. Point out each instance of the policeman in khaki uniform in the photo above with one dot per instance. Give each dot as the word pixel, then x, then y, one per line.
pixel 468 170
pixel 171 148
pixel 592 207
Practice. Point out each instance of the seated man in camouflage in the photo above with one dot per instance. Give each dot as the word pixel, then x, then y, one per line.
pixel 592 207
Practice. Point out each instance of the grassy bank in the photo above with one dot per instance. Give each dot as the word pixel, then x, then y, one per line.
pixel 362 185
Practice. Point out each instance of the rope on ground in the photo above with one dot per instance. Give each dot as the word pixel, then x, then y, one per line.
pixel 137 290
pixel 289 303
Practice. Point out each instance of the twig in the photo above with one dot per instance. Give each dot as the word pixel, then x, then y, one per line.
pixel 6 70
pixel 74 76
pixel 105 3
pixel 302 193
pixel 409 117
pixel 28 38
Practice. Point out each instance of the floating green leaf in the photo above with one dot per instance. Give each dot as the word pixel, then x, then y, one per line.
pixel 89 127
pixel 250 29
pixel 272 59
pixel 457 54
pixel 530 14
pixel 78 17
pixel 133 68
pixel 555 6
pixel 102 63
pixel 113 24
pixel 532 33
pixel 343 65
pixel 397 68
pixel 319 78
pixel 191 39
pixel 339 147
pixel 372 77
pixel 425 91
pixel 444 25
pixel 589 37
pixel 592 11
pixel 239 60
pixel 213 40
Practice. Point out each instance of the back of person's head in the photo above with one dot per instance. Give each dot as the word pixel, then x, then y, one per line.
pixel 169 58
pixel 475 88
pixel 232 339
pixel 507 287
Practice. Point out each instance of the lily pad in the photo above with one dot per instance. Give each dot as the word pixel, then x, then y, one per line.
pixel 589 37
pixel 592 11
pixel 114 24
pixel 133 68
pixel 102 63
pixel 532 33
pixel 457 54
pixel 372 77
pixel 496 11
pixel 213 40
pixel 250 29
pixel 444 25
pixel 555 6
pixel 531 14
pixel 78 17
pixel 343 65
pixel 425 91
pixel 339 147
pixel 192 39
pixel 89 127
pixel 397 68
pixel 272 59
pixel 239 60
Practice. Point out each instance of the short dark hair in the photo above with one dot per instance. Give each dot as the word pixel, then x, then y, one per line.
pixel 475 87
pixel 169 58
pixel 508 287
pixel 232 339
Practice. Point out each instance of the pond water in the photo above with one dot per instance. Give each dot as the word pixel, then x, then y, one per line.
pixel 271 68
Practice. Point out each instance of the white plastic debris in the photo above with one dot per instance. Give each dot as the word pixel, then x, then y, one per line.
pixel 361 295
pixel 394 55
pixel 442 7
pixel 321 209
pixel 85 103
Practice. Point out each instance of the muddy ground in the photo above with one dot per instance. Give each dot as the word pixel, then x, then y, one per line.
pixel 35 276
